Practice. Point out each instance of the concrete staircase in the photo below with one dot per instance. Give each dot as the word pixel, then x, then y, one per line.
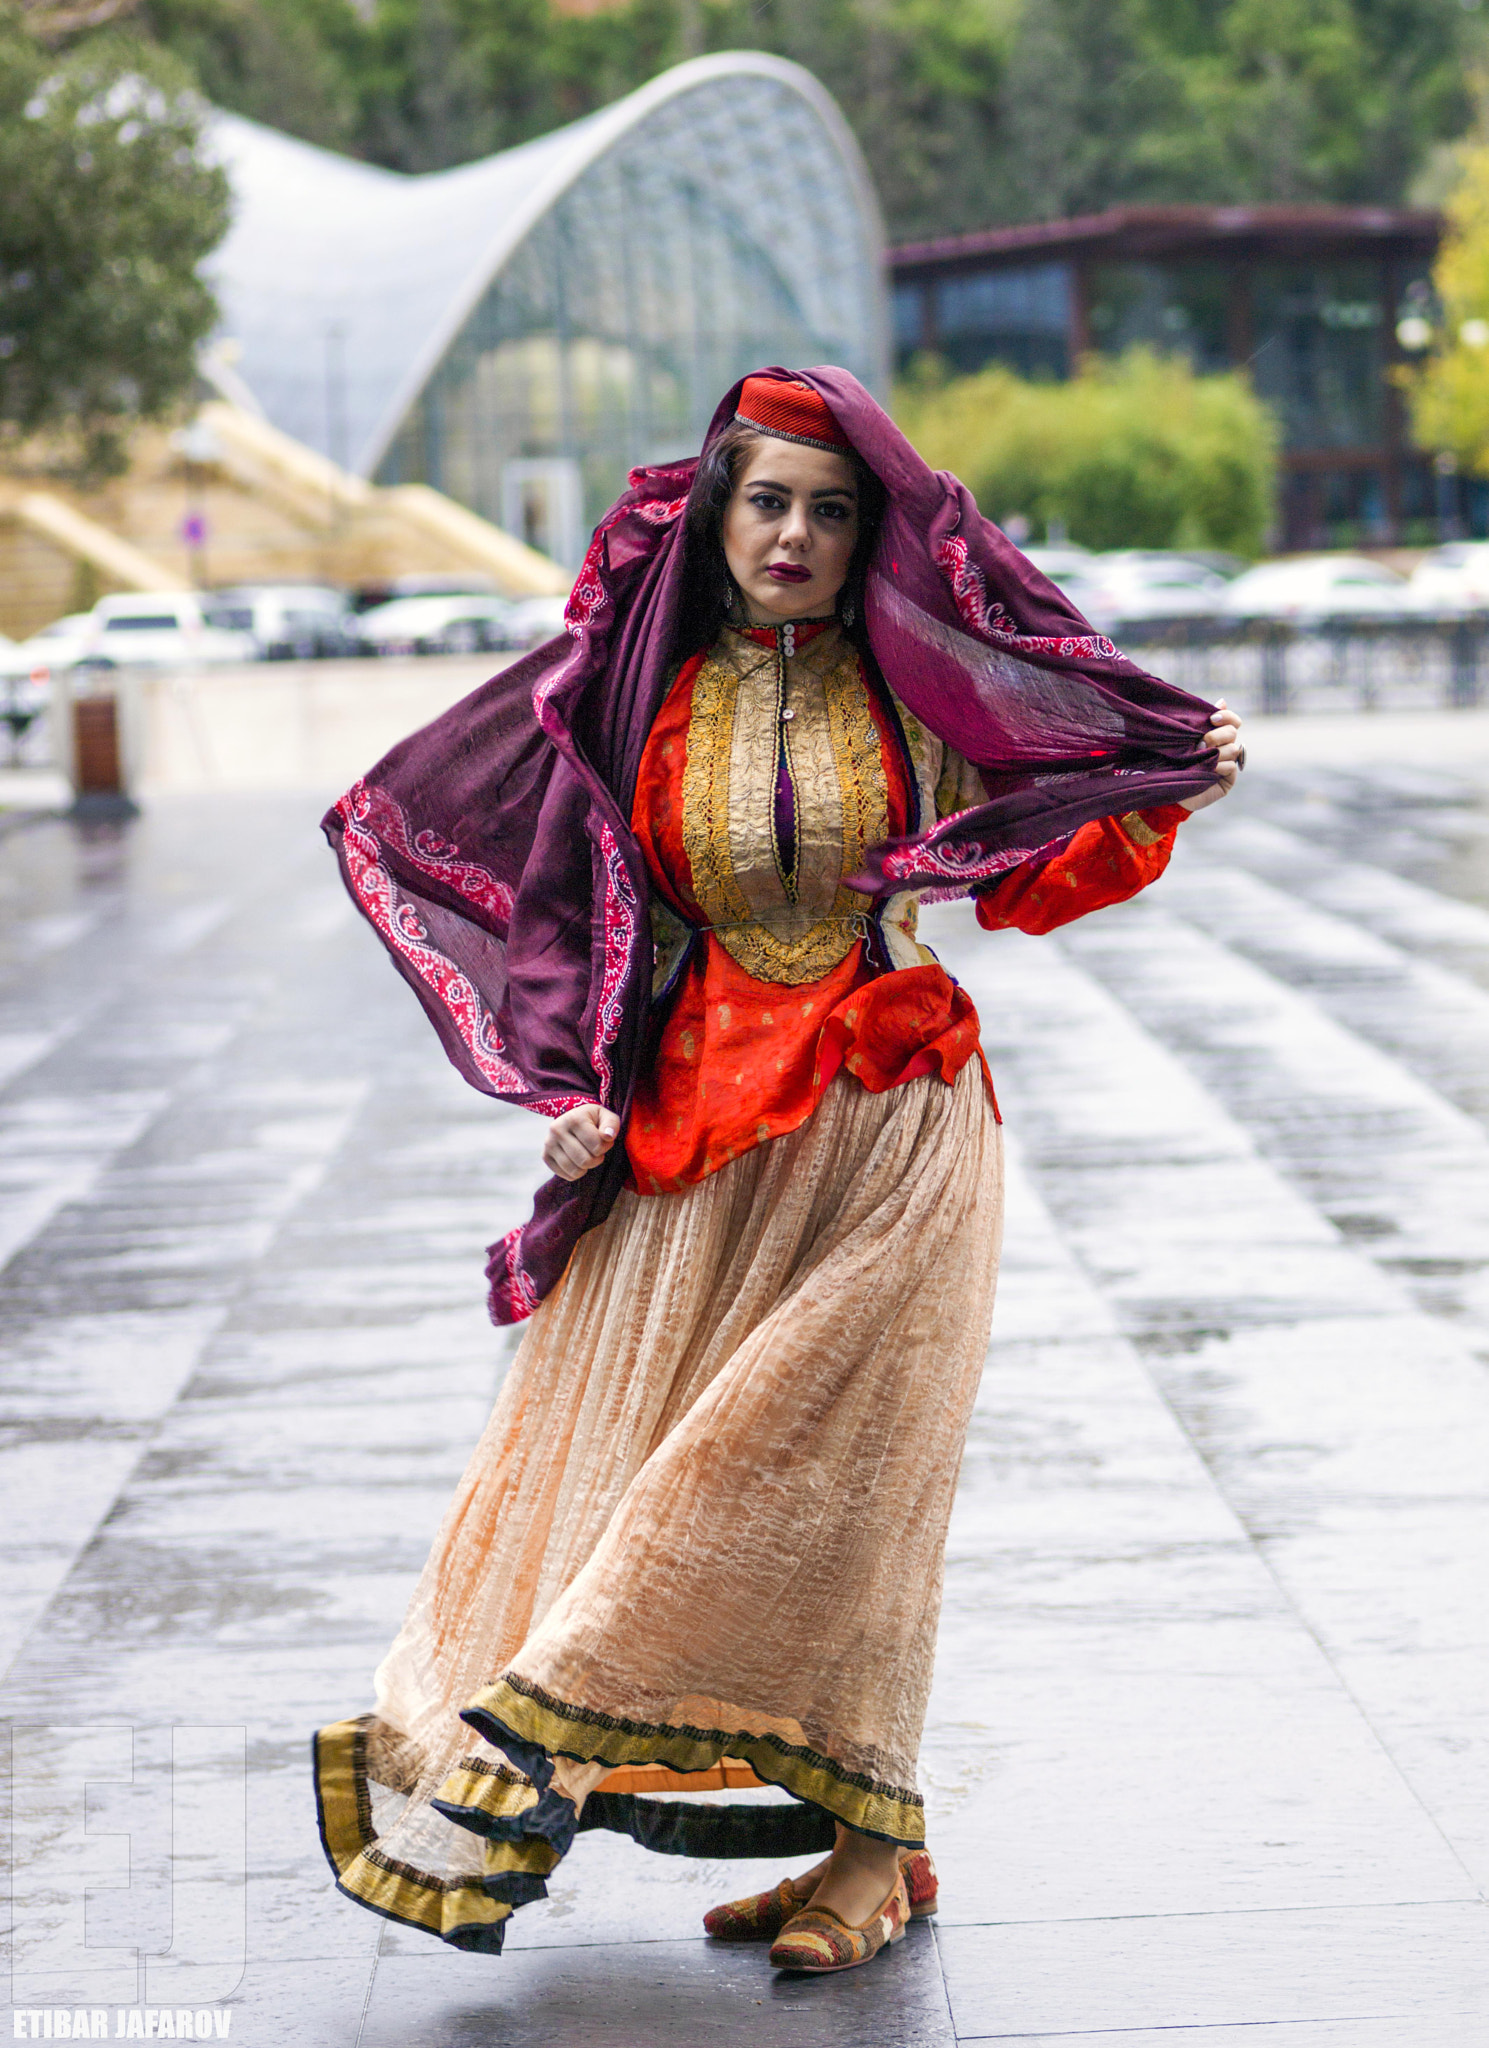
pixel 270 509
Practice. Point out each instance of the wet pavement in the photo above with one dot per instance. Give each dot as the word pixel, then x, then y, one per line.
pixel 1208 1759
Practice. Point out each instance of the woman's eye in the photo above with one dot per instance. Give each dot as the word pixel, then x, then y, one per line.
pixel 830 511
pixel 767 501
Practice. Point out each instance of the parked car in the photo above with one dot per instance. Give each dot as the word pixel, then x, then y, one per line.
pixel 1147 583
pixel 436 625
pixel 424 583
pixel 1057 558
pixel 536 619
pixel 1074 570
pixel 165 629
pixel 1313 587
pixel 57 647
pixel 1453 578
pixel 288 621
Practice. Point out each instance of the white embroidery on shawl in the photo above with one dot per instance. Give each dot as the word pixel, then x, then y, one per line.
pixel 518 1287
pixel 426 851
pixel 969 588
pixel 402 930
pixel 620 937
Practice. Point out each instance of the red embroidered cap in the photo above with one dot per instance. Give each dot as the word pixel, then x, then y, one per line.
pixel 792 412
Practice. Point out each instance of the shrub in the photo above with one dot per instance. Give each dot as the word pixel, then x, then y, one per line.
pixel 1136 452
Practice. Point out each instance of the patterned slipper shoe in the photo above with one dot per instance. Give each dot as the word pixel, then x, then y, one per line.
pixel 818 1941
pixel 762 1917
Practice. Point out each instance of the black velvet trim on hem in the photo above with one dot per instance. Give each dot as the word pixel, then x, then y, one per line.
pixel 671 1827
pixel 665 1826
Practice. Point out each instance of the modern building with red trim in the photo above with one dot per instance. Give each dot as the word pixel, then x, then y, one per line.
pixel 1307 299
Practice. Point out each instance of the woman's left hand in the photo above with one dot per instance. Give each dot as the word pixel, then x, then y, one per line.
pixel 1225 737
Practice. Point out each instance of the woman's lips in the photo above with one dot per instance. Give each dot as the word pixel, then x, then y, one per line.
pixel 789 572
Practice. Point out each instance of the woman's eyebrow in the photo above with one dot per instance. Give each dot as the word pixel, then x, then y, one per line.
pixel 763 483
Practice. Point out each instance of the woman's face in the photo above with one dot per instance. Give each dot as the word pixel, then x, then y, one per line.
pixel 790 529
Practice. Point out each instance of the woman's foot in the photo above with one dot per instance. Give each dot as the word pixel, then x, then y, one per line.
pixel 819 1939
pixel 763 1915
pixel 576 1781
pixel 860 1874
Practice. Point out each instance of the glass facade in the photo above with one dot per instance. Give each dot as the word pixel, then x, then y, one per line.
pixel 1313 333
pixel 722 232
pixel 1177 308
pixel 1318 336
pixel 1020 317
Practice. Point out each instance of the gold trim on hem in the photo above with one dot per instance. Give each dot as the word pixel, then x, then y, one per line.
pixel 374 1880
pixel 561 1730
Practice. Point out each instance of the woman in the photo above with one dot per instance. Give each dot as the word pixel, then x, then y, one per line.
pixel 659 883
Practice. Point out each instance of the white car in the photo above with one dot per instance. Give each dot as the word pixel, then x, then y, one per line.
pixel 536 619
pixel 1057 558
pixel 1075 571
pixel 436 625
pixel 161 629
pixel 1314 587
pixel 288 621
pixel 1452 579
pixel 1145 583
pixel 57 647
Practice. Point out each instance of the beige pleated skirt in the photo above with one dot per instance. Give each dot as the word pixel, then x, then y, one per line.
pixel 707 1519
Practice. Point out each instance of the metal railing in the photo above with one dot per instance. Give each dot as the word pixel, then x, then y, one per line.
pixel 1344 664
pixel 1262 667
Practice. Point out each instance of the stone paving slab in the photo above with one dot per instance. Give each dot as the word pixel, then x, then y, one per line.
pixel 660 1993
pixel 1209 1746
pixel 1422 1964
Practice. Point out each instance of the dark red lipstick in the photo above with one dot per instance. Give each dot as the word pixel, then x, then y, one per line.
pixel 789 572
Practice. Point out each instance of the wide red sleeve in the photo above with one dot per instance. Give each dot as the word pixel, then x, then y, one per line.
pixel 1106 862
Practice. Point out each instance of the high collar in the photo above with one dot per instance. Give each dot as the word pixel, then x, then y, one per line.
pixel 788 637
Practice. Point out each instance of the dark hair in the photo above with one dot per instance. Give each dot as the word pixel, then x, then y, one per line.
pixel 707 585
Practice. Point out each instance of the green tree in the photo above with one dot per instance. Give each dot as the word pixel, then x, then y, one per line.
pixel 920 81
pixel 293 64
pixel 1138 452
pixel 108 211
pixel 1449 393
pixel 970 112
pixel 1087 81
pixel 1313 99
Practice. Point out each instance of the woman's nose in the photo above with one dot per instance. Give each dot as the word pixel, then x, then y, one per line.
pixel 795 529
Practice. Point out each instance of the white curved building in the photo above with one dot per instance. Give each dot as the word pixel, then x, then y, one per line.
pixel 520 331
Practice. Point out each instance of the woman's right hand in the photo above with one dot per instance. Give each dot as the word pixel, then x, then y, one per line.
pixel 579 1139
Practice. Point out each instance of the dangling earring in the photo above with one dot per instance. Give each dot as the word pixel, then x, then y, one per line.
pixel 731 595
pixel 849 611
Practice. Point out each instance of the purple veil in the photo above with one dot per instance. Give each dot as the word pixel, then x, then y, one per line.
pixel 492 850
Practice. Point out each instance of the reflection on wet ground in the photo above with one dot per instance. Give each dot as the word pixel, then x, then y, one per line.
pixel 1209 1752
